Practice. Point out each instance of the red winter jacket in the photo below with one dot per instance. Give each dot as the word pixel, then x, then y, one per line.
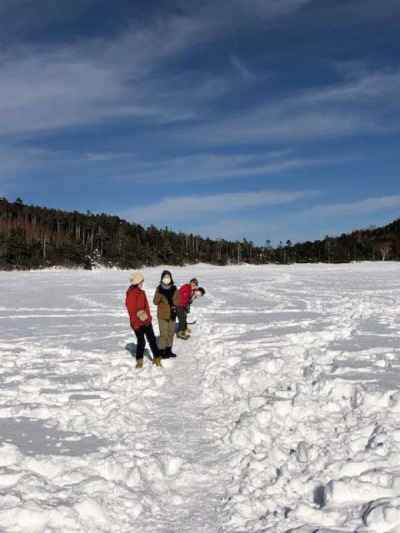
pixel 136 300
pixel 185 295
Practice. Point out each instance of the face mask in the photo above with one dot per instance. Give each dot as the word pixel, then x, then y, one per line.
pixel 166 280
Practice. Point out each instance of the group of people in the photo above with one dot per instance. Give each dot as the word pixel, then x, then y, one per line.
pixel 172 303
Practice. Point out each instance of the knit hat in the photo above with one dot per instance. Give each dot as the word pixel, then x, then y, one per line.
pixel 136 278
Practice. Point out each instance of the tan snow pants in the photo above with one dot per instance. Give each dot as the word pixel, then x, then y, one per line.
pixel 167 332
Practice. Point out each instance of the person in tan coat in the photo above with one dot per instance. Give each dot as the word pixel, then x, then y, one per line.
pixel 166 298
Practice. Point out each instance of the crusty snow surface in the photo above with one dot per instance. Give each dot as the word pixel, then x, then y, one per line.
pixel 282 412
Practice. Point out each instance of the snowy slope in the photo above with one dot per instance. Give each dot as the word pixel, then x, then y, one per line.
pixel 281 413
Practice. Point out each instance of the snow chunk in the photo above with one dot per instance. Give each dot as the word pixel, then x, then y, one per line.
pixel 91 513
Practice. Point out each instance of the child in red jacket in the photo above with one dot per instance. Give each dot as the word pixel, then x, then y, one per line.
pixel 141 320
pixel 187 293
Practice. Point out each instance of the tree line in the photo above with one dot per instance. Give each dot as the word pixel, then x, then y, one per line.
pixel 372 244
pixel 37 237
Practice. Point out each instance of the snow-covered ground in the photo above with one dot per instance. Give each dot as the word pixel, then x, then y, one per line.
pixel 281 413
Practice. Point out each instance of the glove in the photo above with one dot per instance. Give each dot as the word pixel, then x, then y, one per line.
pixel 142 315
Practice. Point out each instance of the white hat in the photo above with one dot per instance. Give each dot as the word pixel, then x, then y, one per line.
pixel 136 278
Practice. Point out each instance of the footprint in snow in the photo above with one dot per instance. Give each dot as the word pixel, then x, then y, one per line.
pixel 382 515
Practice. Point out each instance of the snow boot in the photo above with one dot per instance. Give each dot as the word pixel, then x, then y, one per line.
pixel 182 335
pixel 164 354
pixel 139 363
pixel 157 360
pixel 169 352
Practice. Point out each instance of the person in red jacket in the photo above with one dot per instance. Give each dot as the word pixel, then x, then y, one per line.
pixel 141 320
pixel 187 293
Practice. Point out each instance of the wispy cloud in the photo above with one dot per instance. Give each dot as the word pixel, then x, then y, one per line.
pixel 242 69
pixel 83 89
pixel 212 166
pixel 179 207
pixel 368 104
pixel 14 159
pixel 359 207
pixel 95 80
pixel 366 87
pixel 87 82
pixel 130 167
pixel 127 78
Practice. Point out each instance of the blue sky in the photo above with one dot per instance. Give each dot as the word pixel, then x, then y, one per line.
pixel 264 119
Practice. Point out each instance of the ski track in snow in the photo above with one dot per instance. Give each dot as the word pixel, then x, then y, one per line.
pixel 282 413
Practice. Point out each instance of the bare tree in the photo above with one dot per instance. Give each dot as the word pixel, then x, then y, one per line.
pixel 384 249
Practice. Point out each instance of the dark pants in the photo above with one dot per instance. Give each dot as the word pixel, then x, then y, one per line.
pixel 141 333
pixel 182 318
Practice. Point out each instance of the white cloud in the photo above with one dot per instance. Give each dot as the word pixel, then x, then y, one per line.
pixel 274 123
pixel 365 104
pixel 126 78
pixel 45 88
pixel 72 88
pixel 129 167
pixel 360 207
pixel 182 207
pixel 242 69
pixel 211 167
pixel 366 87
pixel 90 81
pixel 106 156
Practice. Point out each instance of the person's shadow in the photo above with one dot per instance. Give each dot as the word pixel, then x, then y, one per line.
pixel 131 348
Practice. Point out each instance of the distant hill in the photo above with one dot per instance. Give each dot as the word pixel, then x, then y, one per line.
pixel 37 237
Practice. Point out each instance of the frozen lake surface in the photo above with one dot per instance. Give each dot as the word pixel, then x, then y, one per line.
pixel 282 412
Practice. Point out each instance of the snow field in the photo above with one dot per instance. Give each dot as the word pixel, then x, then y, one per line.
pixel 281 413
pixel 316 409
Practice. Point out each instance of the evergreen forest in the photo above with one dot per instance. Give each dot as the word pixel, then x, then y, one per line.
pixel 36 237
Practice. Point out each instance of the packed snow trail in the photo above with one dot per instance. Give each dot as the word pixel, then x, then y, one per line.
pixel 179 433
pixel 281 413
